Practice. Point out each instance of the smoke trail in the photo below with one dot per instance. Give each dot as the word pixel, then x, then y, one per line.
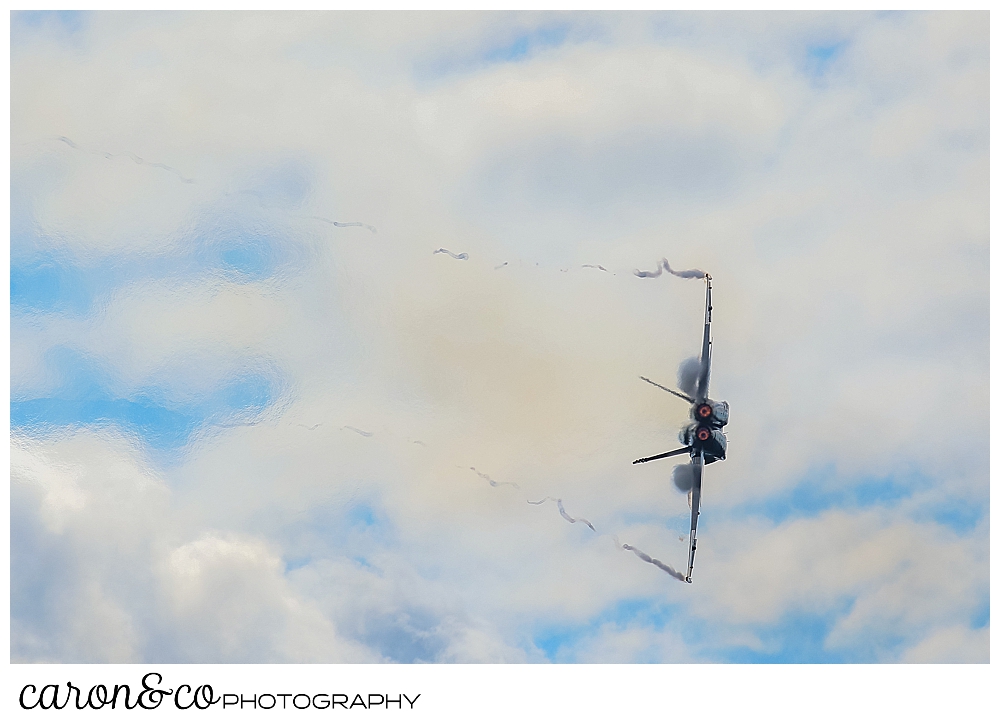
pixel 655 561
pixel 491 481
pixel 360 432
pixel 659 270
pixel 356 223
pixel 501 266
pixel 307 427
pixel 683 477
pixel 687 375
pixel 664 264
pixel 595 266
pixel 463 255
pixel 342 224
pixel 563 513
pixel 688 274
pixel 136 159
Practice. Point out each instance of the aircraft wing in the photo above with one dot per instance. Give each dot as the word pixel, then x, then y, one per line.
pixel 698 465
pixel 706 345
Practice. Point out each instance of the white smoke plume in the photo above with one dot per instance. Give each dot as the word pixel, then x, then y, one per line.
pixel 360 432
pixel 563 513
pixel 659 270
pixel 141 161
pixel 664 264
pixel 687 375
pixel 342 224
pixel 655 561
pixel 453 255
pixel 683 477
pixel 687 274
pixel 355 223
pixel 491 481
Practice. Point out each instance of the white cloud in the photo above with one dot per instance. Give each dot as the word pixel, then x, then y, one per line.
pixel 881 575
pixel 114 581
pixel 231 602
pixel 952 645
pixel 843 215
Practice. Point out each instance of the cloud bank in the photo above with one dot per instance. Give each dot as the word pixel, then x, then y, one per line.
pixel 242 422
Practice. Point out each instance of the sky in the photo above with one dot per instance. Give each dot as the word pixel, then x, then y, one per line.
pixel 306 309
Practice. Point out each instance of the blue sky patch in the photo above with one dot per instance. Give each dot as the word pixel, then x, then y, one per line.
pixel 251 258
pixel 334 529
pixel 981 618
pixel 820 58
pixel 407 636
pixel 88 395
pixel 798 638
pixel 241 247
pixel 159 426
pixel 69 21
pixel 361 515
pixel 293 564
pixel 518 48
pixel 558 642
pixel 822 490
pixel 960 515
pixel 49 284
pixel 527 44
pixel 241 255
pixel 242 398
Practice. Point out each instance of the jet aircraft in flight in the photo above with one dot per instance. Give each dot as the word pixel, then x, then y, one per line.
pixel 702 437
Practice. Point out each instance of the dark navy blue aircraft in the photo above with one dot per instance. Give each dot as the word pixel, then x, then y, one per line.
pixel 703 438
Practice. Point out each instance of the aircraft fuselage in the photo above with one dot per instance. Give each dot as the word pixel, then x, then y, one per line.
pixel 704 432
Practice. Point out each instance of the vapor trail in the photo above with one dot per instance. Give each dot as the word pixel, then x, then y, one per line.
pixel 501 266
pixel 342 224
pixel 491 481
pixel 659 270
pixel 463 255
pixel 140 161
pixel 595 266
pixel 683 477
pixel 687 274
pixel 360 432
pixel 563 513
pixel 687 375
pixel 664 264
pixel 656 562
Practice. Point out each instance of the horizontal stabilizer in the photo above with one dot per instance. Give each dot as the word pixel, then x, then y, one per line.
pixel 663 455
pixel 667 389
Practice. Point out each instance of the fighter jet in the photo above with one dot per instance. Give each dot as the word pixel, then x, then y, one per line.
pixel 703 438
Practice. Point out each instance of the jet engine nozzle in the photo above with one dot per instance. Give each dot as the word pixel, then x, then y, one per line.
pixel 703 433
pixel 703 411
